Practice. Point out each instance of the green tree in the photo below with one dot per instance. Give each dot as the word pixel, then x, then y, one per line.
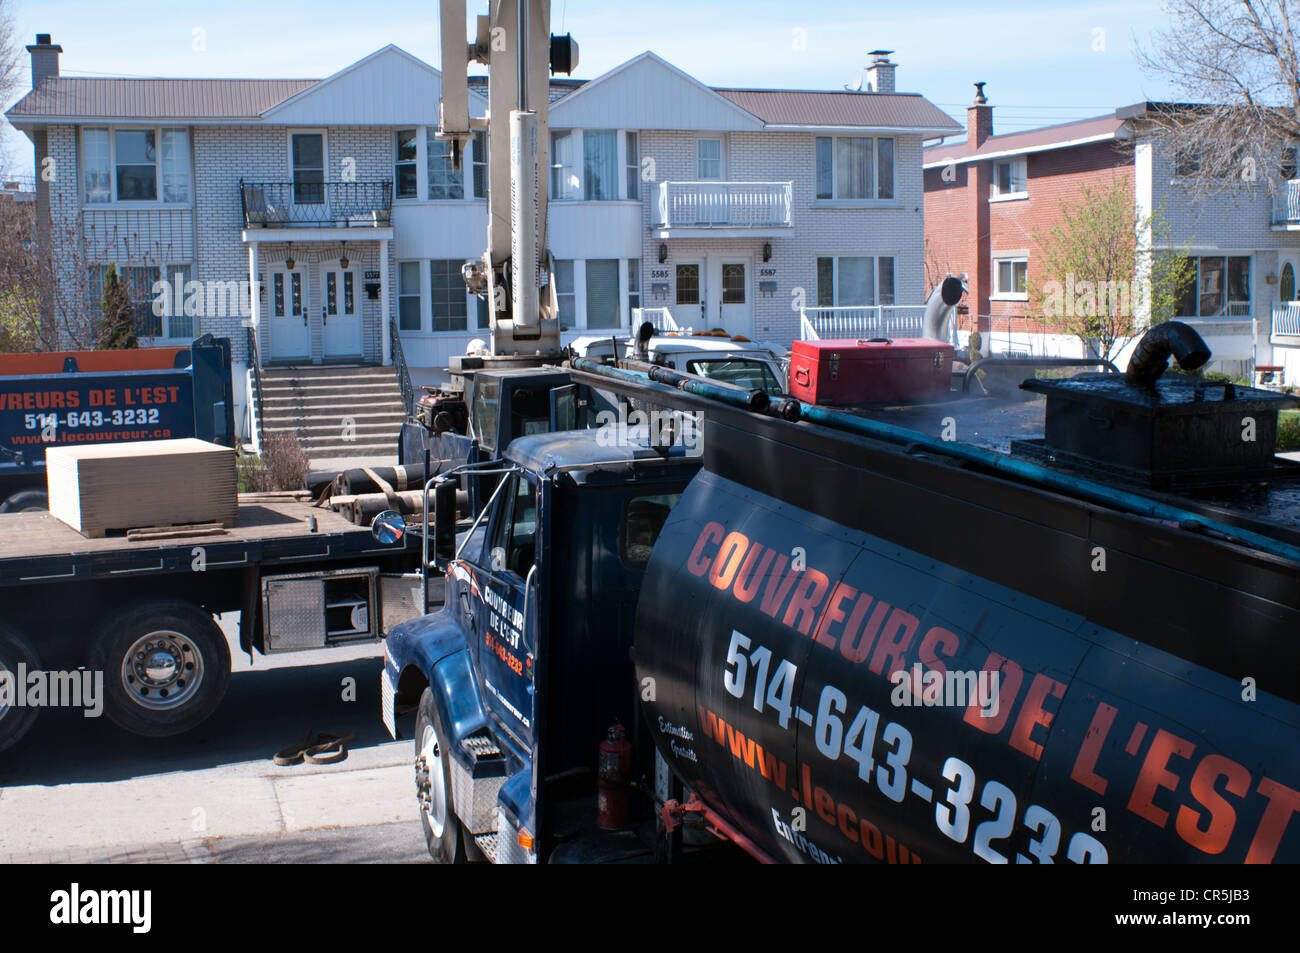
pixel 1104 271
pixel 117 326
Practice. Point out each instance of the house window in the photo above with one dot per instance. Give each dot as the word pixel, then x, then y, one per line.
pixel 1221 288
pixel 733 284
pixel 444 181
pixel 1286 290
pixel 480 164
pixel 406 170
pixel 135 165
pixel 633 163
pixel 633 284
pixel 565 183
pixel 708 158
pixel 1009 277
pixel 448 295
pixel 1010 178
pixel 854 168
pixel 688 284
pixel 408 296
pixel 602 293
pixel 600 164
pixel 885 280
pixel 847 282
pixel 566 298
pixel 1289 162
pixel 139 282
pixel 308 168
pixel 177 320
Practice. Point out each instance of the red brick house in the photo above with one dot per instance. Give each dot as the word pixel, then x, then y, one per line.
pixel 986 197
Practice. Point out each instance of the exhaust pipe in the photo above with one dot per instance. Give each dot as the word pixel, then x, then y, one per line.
pixel 939 306
pixel 1151 356
pixel 641 348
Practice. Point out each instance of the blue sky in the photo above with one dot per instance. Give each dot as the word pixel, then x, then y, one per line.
pixel 1043 62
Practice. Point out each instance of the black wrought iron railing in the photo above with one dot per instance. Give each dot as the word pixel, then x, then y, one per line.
pixel 316 204
pixel 255 365
pixel 403 372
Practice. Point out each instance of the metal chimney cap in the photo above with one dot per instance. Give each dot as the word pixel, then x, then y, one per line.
pixel 881 56
pixel 42 39
pixel 979 93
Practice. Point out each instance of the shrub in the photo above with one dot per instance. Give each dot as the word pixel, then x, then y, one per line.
pixel 283 465
pixel 1288 430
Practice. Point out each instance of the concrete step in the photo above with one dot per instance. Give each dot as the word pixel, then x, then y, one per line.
pixel 358 385
pixel 335 433
pixel 287 422
pixel 319 451
pixel 309 371
pixel 378 399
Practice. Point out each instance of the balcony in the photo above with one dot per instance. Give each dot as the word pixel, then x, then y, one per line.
pixel 276 205
pixel 1286 324
pixel 869 321
pixel 723 209
pixel 1286 206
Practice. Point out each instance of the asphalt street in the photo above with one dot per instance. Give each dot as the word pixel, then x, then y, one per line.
pixel 81 789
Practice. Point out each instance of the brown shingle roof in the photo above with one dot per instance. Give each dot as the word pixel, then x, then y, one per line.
pixel 1045 137
pixel 826 108
pixel 80 97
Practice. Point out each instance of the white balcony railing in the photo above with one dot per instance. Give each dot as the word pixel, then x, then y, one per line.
pixel 875 321
pixel 1286 203
pixel 725 204
pixel 1286 320
pixel 661 318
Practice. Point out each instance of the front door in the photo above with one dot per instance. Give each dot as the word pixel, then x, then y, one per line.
pixel 290 327
pixel 690 304
pixel 730 300
pixel 340 313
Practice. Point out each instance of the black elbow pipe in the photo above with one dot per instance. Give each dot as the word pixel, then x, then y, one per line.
pixel 641 349
pixel 1151 356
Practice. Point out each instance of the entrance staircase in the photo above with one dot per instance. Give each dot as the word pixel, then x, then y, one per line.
pixel 336 411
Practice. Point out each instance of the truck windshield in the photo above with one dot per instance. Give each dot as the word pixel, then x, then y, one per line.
pixel 643 518
pixel 754 375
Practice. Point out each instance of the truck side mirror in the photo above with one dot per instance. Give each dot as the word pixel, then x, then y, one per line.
pixel 388 527
pixel 444 520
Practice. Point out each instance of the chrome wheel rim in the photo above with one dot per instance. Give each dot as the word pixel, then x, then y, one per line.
pixel 162 670
pixel 429 787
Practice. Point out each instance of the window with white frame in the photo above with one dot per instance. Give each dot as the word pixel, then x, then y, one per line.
pixel 135 165
pixel 447 295
pixel 406 168
pixel 159 311
pixel 565 182
pixel 445 182
pixel 708 158
pixel 565 295
pixel 1220 287
pixel 632 161
pixel 600 164
pixel 633 284
pixel 854 168
pixel 408 296
pixel 1010 179
pixel 307 157
pixel 1009 275
pixel 852 281
pixel 602 310
pixel 479 162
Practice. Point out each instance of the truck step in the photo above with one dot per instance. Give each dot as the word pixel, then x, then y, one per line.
pixel 487 843
pixel 480 748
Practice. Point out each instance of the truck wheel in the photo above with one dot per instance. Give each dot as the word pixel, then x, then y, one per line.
pixel 166 666
pixel 443 834
pixel 25 501
pixel 15 650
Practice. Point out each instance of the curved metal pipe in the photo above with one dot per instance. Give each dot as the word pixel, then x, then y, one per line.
pixel 729 393
pixel 939 306
pixel 1151 356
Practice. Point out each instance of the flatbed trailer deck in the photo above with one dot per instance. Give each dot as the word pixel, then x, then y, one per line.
pixel 141 611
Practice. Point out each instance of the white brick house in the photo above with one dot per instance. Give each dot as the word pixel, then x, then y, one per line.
pixel 727 207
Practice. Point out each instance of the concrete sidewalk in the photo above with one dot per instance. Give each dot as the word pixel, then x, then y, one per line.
pixel 188 815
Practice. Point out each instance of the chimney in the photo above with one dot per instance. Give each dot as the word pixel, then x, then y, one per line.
pixel 880 73
pixel 45 58
pixel 979 119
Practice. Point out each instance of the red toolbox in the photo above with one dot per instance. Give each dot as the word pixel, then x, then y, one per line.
pixel 875 370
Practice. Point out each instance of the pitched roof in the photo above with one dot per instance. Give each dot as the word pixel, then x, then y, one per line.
pixel 1096 129
pixel 74 97
pixel 808 107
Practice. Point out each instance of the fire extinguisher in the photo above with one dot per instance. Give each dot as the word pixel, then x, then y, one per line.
pixel 613 771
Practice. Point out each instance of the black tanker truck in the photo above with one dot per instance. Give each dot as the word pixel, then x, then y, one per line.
pixel 833 639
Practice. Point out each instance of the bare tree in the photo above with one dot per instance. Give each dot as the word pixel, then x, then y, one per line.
pixel 1236 66
pixel 11 52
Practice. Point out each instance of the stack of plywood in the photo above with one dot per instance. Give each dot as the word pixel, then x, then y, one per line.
pixel 120 486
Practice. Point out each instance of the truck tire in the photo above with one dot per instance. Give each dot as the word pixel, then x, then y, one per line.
pixel 25 501
pixel 166 666
pixel 443 834
pixel 15 650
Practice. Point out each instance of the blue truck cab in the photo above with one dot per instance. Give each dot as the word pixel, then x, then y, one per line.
pixel 518 677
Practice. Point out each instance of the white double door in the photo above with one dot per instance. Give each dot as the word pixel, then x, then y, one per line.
pixel 715 291
pixel 298 305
